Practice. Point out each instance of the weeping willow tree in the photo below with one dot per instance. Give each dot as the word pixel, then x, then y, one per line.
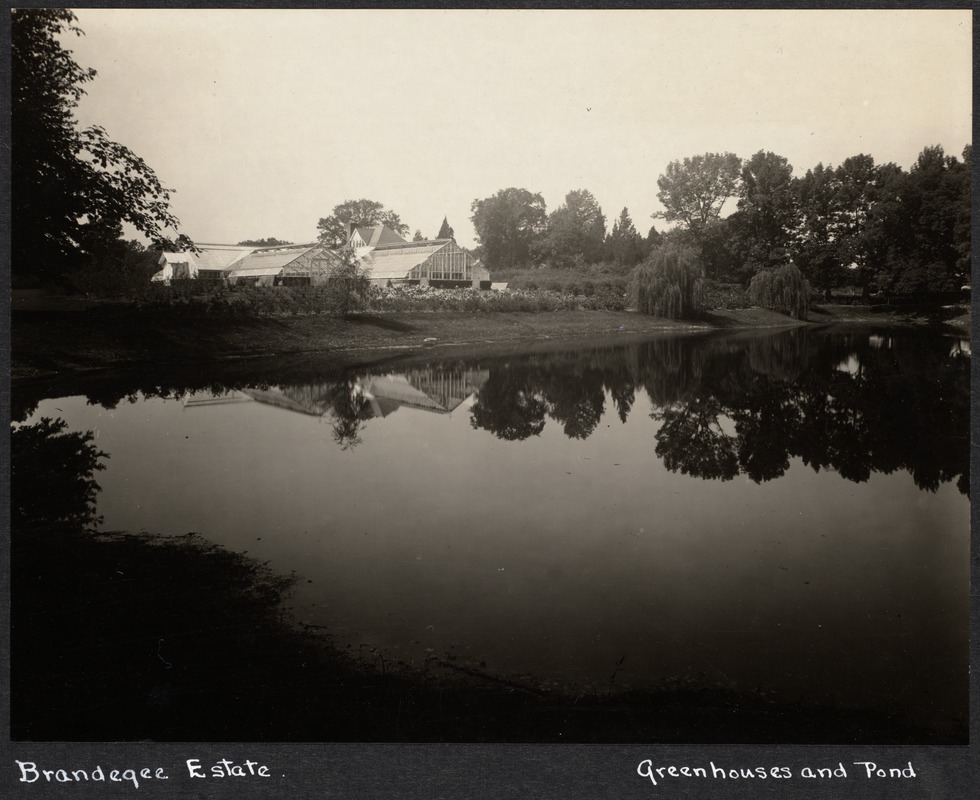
pixel 668 284
pixel 781 289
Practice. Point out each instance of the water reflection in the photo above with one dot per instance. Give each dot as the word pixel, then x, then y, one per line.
pixel 352 400
pixel 723 406
pixel 854 404
pixel 52 477
pixel 550 517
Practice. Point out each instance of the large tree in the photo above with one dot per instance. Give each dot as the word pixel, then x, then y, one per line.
pixel 575 231
pixel 72 188
pixel 865 194
pixel 766 216
pixel 507 224
pixel 816 244
pixel 693 191
pixel 334 229
pixel 917 236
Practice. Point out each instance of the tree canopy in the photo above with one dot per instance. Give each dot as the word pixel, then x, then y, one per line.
pixel 766 212
pixel 72 188
pixel 359 213
pixel 693 191
pixel 507 224
pixel 575 231
pixel 816 238
pixel 862 225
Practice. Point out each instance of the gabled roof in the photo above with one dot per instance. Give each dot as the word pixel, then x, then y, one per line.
pixel 403 244
pixel 397 262
pixel 210 256
pixel 267 262
pixel 378 235
pixel 398 389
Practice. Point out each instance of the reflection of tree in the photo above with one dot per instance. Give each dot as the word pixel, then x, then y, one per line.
pixel 765 424
pixel 576 401
pixel 508 406
pixel 839 433
pixel 513 402
pixel 840 400
pixel 623 397
pixel 691 440
pixel 902 408
pixel 783 357
pixel 669 368
pixel 347 424
pixel 52 481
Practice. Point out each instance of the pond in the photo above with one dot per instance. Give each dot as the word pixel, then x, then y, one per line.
pixel 779 513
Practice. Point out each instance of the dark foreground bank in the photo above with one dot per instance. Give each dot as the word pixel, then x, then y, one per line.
pixel 122 637
pixel 48 341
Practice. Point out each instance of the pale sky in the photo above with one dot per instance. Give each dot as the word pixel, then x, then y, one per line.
pixel 261 121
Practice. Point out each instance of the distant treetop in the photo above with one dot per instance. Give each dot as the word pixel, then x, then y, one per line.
pixel 335 229
pixel 270 242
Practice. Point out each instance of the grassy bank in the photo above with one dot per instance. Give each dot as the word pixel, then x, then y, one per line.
pixel 56 341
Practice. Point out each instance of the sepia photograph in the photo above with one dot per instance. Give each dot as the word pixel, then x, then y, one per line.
pixel 490 377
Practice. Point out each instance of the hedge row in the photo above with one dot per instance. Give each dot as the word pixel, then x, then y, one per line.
pixel 278 301
pixel 419 298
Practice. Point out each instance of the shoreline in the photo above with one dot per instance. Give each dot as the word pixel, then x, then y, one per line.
pixel 49 343
pixel 182 667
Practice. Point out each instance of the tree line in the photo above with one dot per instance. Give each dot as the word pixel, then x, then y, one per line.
pixel 874 227
pixel 860 224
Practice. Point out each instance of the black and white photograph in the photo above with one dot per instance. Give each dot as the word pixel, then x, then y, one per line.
pixel 512 377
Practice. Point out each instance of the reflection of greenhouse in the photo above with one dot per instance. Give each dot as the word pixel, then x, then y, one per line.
pixel 438 391
pixel 272 396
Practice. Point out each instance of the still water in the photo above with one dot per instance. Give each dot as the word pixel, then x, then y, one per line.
pixel 784 513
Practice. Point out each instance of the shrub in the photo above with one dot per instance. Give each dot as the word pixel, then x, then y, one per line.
pixel 668 284
pixel 569 281
pixel 725 295
pixel 423 298
pixel 781 289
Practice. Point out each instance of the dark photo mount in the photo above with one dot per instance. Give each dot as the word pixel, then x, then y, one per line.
pixel 161 639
